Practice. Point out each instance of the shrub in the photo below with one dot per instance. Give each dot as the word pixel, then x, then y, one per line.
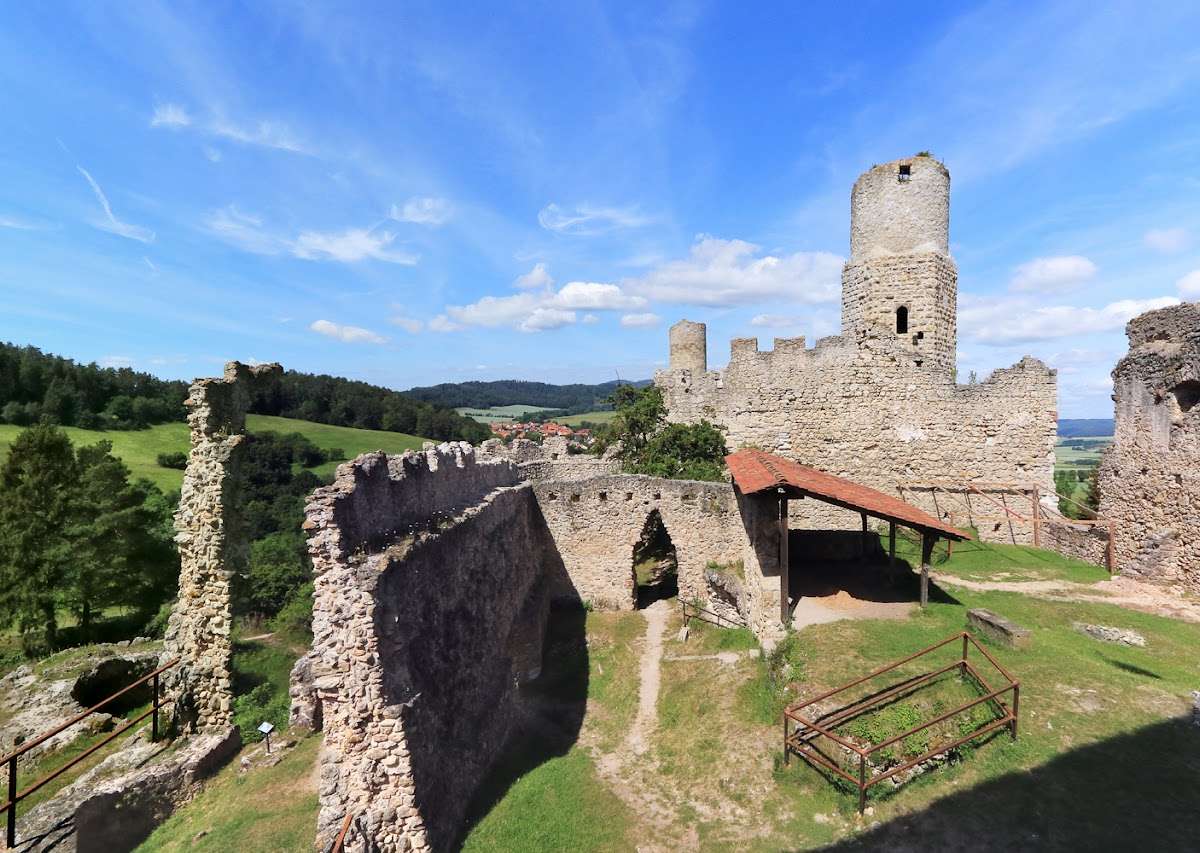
pixel 294 619
pixel 335 454
pixel 157 626
pixel 177 460
pixel 264 702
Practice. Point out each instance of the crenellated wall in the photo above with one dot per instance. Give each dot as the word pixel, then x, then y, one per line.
pixel 1150 474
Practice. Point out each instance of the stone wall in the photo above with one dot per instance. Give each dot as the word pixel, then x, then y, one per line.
pixel 550 460
pixel 211 547
pixel 596 523
pixel 1150 475
pixel 432 574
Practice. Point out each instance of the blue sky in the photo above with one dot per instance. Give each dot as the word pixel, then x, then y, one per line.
pixel 439 193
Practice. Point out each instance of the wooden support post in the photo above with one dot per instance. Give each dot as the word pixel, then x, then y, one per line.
pixel 862 543
pixel 928 540
pixel 1109 550
pixel 785 610
pixel 892 545
pixel 1037 518
pixel 12 803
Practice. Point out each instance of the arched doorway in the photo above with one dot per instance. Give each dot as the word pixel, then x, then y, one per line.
pixel 655 565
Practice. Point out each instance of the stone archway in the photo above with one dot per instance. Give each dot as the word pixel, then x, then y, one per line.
pixel 655 563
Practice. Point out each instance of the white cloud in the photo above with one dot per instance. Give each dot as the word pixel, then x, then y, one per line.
pixel 170 115
pixel 731 272
pixel 349 246
pixel 213 154
pixel 116 361
pixel 442 323
pixel 424 211
pixel 16 224
pixel 1000 322
pixel 1059 273
pixel 547 318
pixel 536 278
pixel 586 219
pixel 264 134
pixel 150 265
pixel 594 296
pixel 346 334
pixel 408 324
pixel 640 321
pixel 531 311
pixel 776 321
pixel 110 222
pixel 246 231
pixel 1189 285
pixel 1167 240
pixel 589 319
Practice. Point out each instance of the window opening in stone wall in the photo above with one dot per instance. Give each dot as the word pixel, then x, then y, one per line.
pixel 905 173
pixel 604 496
pixel 1186 394
pixel 902 320
pixel 655 565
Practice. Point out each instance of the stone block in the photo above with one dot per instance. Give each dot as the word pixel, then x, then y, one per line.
pixel 998 628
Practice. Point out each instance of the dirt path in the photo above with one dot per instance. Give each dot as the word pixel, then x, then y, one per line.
pixel 1122 591
pixel 650 678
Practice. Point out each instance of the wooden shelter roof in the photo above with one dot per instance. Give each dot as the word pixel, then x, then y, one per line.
pixel 756 471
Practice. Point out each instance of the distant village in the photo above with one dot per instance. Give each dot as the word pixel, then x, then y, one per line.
pixel 508 430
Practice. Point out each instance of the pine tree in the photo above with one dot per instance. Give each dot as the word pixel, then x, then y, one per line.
pixel 37 482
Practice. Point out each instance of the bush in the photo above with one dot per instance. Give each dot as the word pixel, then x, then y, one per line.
pixel 177 460
pixel 264 702
pixel 157 626
pixel 335 454
pixel 294 619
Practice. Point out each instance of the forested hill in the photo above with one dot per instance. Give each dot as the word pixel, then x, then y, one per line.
pixel 1091 427
pixel 36 386
pixel 515 392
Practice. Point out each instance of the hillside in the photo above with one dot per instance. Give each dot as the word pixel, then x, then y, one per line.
pixel 139 449
pixel 515 392
pixel 1091 427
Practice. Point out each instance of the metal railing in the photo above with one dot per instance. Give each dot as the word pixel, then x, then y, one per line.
pixel 15 797
pixel 695 611
pixel 799 739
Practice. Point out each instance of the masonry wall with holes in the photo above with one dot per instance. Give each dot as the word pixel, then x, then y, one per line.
pixel 1150 475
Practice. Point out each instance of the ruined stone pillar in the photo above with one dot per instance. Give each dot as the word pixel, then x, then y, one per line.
pixel 211 548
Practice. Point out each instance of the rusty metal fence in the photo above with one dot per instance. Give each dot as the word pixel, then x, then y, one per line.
pixel 800 731
pixel 14 797
pixel 692 610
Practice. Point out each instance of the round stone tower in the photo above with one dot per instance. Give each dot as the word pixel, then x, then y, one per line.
pixel 900 281
pixel 688 347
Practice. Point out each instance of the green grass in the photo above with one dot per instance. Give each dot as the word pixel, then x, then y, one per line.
pixel 590 417
pixel 261 671
pixel 976 560
pixel 499 413
pixel 267 809
pixel 139 449
pixel 1073 457
pixel 560 805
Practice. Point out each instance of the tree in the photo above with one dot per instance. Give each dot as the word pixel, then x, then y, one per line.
pixel 117 536
pixel 649 445
pixel 37 484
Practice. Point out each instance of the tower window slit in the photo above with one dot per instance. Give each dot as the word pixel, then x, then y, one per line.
pixel 902 320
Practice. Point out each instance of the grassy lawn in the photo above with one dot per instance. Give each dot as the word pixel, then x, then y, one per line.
pixel 590 417
pixel 139 449
pixel 976 560
pixel 1075 457
pixel 269 809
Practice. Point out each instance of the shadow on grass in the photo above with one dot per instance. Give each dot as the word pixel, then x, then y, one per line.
pixel 1129 667
pixel 553 706
pixel 1136 791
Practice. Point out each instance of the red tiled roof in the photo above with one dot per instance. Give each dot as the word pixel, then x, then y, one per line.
pixel 756 471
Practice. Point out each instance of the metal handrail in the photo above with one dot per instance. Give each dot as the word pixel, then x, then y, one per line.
pixel 339 842
pixel 700 612
pixel 801 740
pixel 10 805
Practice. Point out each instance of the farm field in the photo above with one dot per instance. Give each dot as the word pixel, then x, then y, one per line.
pixel 499 413
pixel 589 417
pixel 1076 457
pixel 139 449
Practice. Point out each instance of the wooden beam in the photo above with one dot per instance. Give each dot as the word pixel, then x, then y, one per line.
pixel 785 611
pixel 862 542
pixel 928 540
pixel 1037 518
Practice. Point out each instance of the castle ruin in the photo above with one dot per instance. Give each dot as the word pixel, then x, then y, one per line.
pixel 880 404
pixel 1150 475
